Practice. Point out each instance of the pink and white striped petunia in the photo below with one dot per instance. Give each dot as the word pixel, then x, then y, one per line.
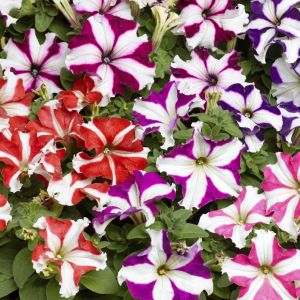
pixel 118 8
pixel 36 63
pixel 204 73
pixel 55 121
pixel 134 198
pixel 118 151
pixel 66 249
pixel 281 187
pixel 14 102
pixel 237 220
pixel 6 7
pixel 118 56
pixel 286 79
pixel 67 189
pixel 205 169
pixel 268 272
pixel 208 22
pixel 158 273
pixel 270 21
pixel 161 111
pixel 23 156
pixel 5 212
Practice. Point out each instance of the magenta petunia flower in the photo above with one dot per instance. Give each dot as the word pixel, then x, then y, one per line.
pixel 268 272
pixel 117 55
pixel 158 273
pixel 208 22
pixel 36 63
pixel 6 7
pixel 204 73
pixel 205 169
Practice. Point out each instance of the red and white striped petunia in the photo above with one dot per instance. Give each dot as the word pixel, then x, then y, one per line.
pixel 66 250
pixel 118 151
pixel 23 155
pixel 5 212
pixel 83 93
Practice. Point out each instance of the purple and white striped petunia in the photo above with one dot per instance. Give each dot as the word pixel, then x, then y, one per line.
pixel 268 272
pixel 237 220
pixel 158 273
pixel 6 7
pixel 252 112
pixel 290 48
pixel 135 199
pixel 118 8
pixel 291 120
pixel 161 111
pixel 205 169
pixel 204 73
pixel 36 63
pixel 281 187
pixel 270 20
pixel 118 56
pixel 208 22
pixel 286 79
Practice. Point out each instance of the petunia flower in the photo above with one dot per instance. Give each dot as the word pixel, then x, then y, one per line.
pixel 36 63
pixel 83 93
pixel 209 22
pixel 55 121
pixel 268 272
pixel 67 189
pixel 118 151
pixel 205 169
pixel 290 48
pixel 281 188
pixel 135 198
pixel 285 79
pixel 271 20
pixel 161 111
pixel 6 7
pixel 237 220
pixel 5 212
pixel 204 73
pixel 118 56
pixel 159 273
pixel 291 121
pixel 14 102
pixel 252 112
pixel 67 250
pixel 24 156
pixel 118 8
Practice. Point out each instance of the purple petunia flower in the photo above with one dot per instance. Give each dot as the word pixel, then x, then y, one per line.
pixel 270 20
pixel 205 169
pixel 6 7
pixel 118 8
pixel 36 63
pixel 208 22
pixel 204 73
pixel 161 111
pixel 158 273
pixel 135 196
pixel 117 54
pixel 286 79
pixel 252 112
pixel 291 120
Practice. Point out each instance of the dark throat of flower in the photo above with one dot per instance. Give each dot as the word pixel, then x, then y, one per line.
pixel 35 69
pixel 162 270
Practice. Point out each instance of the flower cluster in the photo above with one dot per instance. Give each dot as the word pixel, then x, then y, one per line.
pixel 149 149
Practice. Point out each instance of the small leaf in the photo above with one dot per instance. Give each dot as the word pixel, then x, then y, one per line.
pixel 190 231
pixel 138 232
pixel 34 286
pixel 7 286
pixel 223 281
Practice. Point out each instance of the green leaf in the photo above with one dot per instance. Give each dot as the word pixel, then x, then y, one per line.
pixel 183 134
pixel 7 286
pixel 190 231
pixel 7 255
pixel 60 27
pixel 223 281
pixel 35 288
pixel 22 267
pixel 42 21
pixel 66 79
pixel 101 282
pixel 138 232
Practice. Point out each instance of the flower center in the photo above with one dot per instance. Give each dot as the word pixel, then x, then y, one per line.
pixel 107 149
pixel 201 161
pixel 213 80
pixel 248 113
pixel 162 270
pixel 205 13
pixel 266 269
pixel 106 60
pixel 35 69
